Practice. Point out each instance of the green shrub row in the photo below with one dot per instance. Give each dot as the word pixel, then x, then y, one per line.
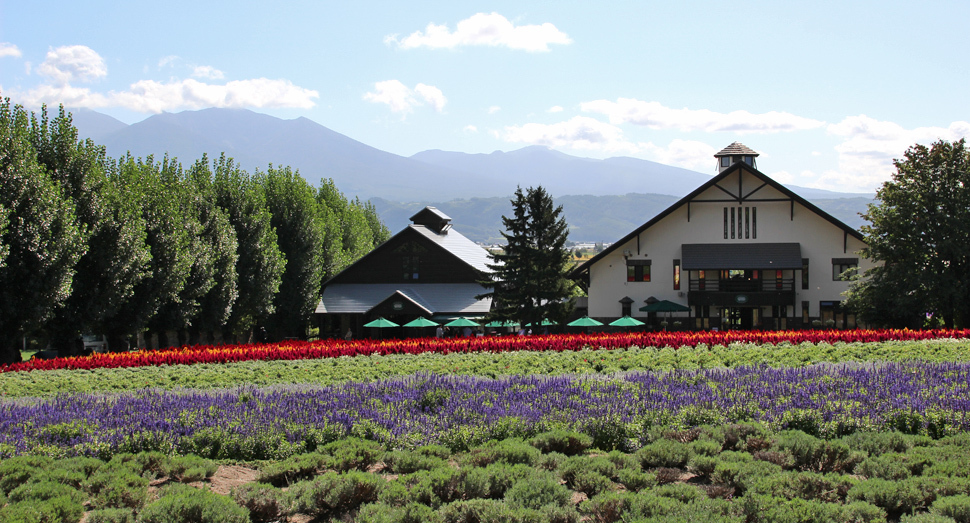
pixel 731 473
pixel 370 368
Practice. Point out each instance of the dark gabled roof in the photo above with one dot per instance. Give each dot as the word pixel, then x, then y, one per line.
pixel 577 272
pixel 451 241
pixel 701 256
pixel 736 148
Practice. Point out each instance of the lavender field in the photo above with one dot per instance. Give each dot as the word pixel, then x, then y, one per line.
pixel 828 400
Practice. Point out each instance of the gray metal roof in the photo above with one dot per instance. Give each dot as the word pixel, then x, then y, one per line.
pixel 703 256
pixel 433 210
pixel 358 298
pixel 736 148
pixel 453 242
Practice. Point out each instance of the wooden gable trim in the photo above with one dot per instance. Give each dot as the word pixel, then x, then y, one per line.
pixel 581 273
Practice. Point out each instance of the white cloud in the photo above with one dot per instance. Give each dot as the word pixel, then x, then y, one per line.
pixel 167 60
pixel 688 154
pixel 154 97
pixel 8 49
pixel 71 63
pixel 580 132
pixel 555 109
pixel 402 99
pixel 207 71
pixel 484 29
pixel 470 129
pixel 494 109
pixel 432 95
pixel 870 145
pixel 655 116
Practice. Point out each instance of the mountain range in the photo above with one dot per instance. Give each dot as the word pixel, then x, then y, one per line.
pixel 474 189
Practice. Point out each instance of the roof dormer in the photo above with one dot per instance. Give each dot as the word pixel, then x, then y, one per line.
pixel 736 152
pixel 433 219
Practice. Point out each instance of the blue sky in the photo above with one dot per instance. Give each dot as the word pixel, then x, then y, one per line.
pixel 828 92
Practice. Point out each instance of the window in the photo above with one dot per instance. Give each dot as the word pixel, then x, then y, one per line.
pixel 804 273
pixel 676 275
pixel 805 311
pixel 725 223
pixel 411 264
pixel 701 280
pixel 743 223
pixel 844 268
pixel 779 279
pixel 725 161
pixel 739 223
pixel 747 223
pixel 638 270
pixel 754 223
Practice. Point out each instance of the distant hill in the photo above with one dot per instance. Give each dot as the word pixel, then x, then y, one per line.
pixel 590 218
pixel 472 188
pixel 561 173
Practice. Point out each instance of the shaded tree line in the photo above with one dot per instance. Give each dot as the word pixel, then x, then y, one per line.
pixel 91 244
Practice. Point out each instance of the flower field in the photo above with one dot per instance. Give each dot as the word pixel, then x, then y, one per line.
pixel 297 350
pixel 734 426
pixel 462 411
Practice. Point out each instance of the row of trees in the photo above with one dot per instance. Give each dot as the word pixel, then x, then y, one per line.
pixel 89 244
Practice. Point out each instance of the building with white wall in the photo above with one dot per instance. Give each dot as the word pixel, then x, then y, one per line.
pixel 742 251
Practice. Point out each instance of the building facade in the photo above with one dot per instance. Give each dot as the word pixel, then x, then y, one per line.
pixel 741 251
pixel 427 270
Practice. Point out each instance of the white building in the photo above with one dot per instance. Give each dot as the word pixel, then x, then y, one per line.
pixel 742 251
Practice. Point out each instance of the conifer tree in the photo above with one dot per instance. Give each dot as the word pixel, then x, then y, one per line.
pixel 529 281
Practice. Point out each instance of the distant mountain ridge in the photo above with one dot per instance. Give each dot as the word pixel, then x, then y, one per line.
pixel 473 188
pixel 590 218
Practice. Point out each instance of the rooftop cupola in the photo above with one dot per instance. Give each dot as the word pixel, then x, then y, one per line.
pixel 736 152
pixel 433 219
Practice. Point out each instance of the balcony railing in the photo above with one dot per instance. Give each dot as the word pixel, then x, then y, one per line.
pixel 773 285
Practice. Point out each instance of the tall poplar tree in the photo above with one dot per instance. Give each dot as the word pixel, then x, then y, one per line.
pixel 117 256
pixel 301 228
pixel 529 281
pixel 42 239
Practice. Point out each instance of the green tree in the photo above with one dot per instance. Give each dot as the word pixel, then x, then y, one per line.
pixel 919 230
pixel 301 234
pixel 170 237
pixel 529 281
pixel 42 239
pixel 218 237
pixel 117 257
pixel 353 229
pixel 259 265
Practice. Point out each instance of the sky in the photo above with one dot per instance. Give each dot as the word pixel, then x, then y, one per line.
pixel 828 92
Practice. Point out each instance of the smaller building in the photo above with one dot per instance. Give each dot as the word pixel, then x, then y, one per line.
pixel 428 270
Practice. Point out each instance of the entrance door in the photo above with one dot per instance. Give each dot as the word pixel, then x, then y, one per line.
pixel 738 318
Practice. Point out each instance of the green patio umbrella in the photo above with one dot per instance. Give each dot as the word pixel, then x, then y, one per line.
pixel 461 322
pixel 626 321
pixel 585 321
pixel 381 323
pixel 421 322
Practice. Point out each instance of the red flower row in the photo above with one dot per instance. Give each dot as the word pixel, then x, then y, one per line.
pixel 297 350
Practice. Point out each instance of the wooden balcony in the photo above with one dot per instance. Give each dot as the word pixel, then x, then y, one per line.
pixel 741 292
